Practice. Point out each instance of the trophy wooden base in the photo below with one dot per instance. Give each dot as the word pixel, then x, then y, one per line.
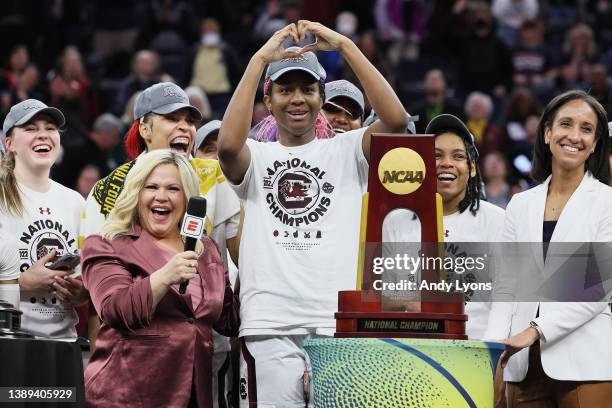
pixel 360 314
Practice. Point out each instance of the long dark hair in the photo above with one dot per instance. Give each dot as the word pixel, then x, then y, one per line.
pixel 597 163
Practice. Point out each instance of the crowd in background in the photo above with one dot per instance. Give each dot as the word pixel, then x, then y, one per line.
pixel 493 64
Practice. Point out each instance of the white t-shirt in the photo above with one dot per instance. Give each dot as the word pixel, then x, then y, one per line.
pixel 9 270
pixel 300 235
pixel 50 221
pixel 458 227
pixel 9 260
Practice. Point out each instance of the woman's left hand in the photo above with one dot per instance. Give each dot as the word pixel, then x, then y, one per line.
pixel 326 39
pixel 70 290
pixel 518 342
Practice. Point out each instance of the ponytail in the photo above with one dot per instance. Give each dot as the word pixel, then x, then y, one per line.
pixel 134 144
pixel 10 196
pixel 133 141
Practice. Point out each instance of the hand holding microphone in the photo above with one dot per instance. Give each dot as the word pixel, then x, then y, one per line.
pixel 180 269
pixel 192 229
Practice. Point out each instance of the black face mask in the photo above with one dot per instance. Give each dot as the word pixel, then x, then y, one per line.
pixel 480 24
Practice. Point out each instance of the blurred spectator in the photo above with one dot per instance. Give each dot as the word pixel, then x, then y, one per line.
pixel 127 118
pixel 602 16
pixel 599 86
pixel 487 136
pixel 26 87
pixel 520 153
pixel 170 26
pixel 400 22
pixel 94 150
pixel 389 20
pixel 531 59
pixel 18 60
pixel 332 62
pixel 72 69
pixel 347 24
pixel 510 15
pixel 495 176
pixel 578 53
pixel 436 101
pixel 87 178
pixel 63 94
pixel 485 63
pixel 276 15
pixel 442 18
pixel 198 98
pixel 214 66
pixel 369 47
pixel 519 106
pixel 145 72
pixel 560 16
pixel 164 16
pixel 116 25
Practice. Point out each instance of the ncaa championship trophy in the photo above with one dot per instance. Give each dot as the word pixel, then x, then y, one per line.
pixel 407 347
pixel 400 178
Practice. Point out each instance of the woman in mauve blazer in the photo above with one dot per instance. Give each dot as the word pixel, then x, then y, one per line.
pixel 155 345
pixel 559 354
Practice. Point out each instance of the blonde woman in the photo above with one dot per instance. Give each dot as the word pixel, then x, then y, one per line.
pixel 41 217
pixel 133 272
pixel 164 118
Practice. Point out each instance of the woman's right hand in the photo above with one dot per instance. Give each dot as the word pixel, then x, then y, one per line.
pixel 40 278
pixel 181 267
pixel 273 49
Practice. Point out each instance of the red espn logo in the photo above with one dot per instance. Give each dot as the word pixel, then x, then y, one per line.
pixel 192 226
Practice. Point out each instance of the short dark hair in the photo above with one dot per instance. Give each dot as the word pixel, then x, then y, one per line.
pixel 598 163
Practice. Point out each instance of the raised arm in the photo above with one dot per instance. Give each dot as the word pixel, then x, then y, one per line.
pixel 391 113
pixel 234 154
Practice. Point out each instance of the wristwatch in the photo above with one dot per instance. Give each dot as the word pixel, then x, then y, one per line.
pixel 535 326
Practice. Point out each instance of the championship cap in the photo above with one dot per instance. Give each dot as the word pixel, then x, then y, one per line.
pixel 163 98
pixel 450 122
pixel 344 88
pixel 204 132
pixel 306 62
pixel 22 112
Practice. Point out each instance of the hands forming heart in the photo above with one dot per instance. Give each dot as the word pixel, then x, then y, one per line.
pixel 325 40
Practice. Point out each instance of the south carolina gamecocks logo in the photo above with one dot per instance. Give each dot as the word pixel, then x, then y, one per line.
pixel 297 191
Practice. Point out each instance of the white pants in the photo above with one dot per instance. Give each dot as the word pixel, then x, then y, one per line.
pixel 281 371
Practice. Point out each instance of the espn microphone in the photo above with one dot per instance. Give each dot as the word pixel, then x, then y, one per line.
pixel 193 227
